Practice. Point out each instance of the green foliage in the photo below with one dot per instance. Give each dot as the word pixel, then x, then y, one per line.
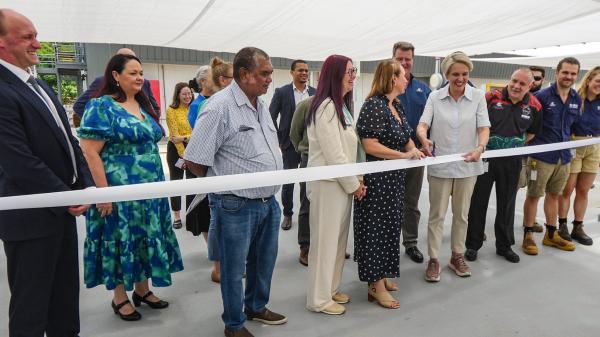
pixel 69 87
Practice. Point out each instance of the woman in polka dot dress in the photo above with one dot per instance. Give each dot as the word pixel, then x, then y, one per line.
pixel 385 134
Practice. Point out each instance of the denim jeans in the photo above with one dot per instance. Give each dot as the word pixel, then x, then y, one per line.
pixel 247 232
pixel 212 242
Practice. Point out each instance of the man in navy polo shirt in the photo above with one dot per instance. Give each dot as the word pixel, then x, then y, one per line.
pixel 548 172
pixel 413 100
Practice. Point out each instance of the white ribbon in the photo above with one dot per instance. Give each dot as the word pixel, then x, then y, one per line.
pixel 252 180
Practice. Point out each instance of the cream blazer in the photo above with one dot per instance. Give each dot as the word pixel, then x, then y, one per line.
pixel 330 144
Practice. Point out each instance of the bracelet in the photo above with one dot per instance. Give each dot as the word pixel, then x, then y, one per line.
pixel 482 147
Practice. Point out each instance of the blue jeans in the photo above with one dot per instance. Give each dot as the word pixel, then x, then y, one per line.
pixel 247 232
pixel 213 243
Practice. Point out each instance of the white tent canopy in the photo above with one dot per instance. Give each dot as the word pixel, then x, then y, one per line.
pixel 314 29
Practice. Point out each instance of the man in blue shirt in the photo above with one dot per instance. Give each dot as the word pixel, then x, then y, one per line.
pixel 413 100
pixel 548 172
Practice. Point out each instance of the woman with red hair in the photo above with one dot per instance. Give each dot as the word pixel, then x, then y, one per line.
pixel 332 140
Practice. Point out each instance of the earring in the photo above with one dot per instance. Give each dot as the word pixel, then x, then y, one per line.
pixel 118 84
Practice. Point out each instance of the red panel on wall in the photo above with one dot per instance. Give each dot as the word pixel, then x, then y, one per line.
pixel 155 87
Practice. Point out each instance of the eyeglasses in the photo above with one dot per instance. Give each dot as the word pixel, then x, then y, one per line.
pixel 537 78
pixel 227 76
pixel 352 71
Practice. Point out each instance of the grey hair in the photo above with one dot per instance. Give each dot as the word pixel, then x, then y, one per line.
pixel 201 74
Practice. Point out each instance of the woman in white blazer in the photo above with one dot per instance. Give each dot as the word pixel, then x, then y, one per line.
pixel 332 140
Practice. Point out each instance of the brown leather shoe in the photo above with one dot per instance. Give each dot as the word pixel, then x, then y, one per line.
pixel 286 223
pixel 580 236
pixel 215 277
pixel 243 332
pixel 303 259
pixel 267 317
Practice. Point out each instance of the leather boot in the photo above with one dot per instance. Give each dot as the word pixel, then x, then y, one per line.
pixel 563 231
pixel 580 236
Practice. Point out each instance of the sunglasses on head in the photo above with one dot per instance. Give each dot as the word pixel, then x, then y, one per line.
pixel 537 78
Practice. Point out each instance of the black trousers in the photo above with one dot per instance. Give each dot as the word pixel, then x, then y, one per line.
pixel 303 222
pixel 505 173
pixel 291 159
pixel 43 278
pixel 175 173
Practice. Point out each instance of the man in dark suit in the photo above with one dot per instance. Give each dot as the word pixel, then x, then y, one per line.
pixel 283 105
pixel 38 154
pixel 79 105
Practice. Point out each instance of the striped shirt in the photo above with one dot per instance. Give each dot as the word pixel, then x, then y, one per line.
pixel 232 137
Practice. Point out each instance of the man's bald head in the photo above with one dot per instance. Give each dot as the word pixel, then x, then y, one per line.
pixel 125 51
pixel 18 39
pixel 519 85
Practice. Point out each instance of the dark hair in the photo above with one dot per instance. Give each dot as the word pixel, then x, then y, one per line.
pixel 569 60
pixel 296 62
pixel 246 58
pixel 178 87
pixel 2 27
pixel 194 85
pixel 110 86
pixel 330 86
pixel 540 69
pixel 404 46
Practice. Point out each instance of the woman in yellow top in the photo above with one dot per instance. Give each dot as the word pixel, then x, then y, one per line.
pixel 179 134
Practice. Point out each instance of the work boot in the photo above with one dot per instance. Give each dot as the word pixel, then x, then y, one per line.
pixel 537 228
pixel 529 246
pixel 580 236
pixel 303 259
pixel 563 231
pixel 557 242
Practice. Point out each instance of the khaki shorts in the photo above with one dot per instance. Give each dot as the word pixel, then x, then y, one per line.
pixel 586 158
pixel 551 178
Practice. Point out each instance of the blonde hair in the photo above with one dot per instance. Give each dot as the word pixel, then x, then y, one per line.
pixel 219 68
pixel 456 57
pixel 585 83
pixel 383 79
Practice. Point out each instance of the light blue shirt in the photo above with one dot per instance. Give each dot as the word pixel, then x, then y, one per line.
pixel 232 137
pixel 453 128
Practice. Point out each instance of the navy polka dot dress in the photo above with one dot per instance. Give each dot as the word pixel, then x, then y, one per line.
pixel 378 216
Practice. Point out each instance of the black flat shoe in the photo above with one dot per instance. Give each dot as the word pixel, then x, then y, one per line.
pixel 177 224
pixel 134 316
pixel 137 301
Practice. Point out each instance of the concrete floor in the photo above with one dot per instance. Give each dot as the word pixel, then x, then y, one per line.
pixel 553 294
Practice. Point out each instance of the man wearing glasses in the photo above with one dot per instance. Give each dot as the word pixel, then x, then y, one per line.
pixel 283 106
pixel 539 74
pixel 413 101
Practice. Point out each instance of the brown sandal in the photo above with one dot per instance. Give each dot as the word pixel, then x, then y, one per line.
pixel 384 299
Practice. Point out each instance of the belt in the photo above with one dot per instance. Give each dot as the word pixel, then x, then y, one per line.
pixel 251 199
pixel 588 136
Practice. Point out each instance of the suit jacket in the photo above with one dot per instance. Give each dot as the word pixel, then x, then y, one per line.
pixel 34 158
pixel 79 105
pixel 284 104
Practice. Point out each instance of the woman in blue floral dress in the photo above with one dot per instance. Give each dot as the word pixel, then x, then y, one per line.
pixel 129 242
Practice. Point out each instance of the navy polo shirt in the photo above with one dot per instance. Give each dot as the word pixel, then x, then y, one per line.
pixel 557 120
pixel 413 100
pixel 588 124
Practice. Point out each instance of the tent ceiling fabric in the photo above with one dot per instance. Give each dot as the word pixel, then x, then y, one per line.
pixel 314 29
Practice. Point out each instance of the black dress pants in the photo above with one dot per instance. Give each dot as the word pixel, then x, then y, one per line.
pixel 291 159
pixel 43 278
pixel 505 173
pixel 303 214
pixel 175 173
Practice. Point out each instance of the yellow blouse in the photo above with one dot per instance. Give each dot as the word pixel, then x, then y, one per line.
pixel 179 126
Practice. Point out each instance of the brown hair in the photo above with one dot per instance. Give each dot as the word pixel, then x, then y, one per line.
pixel 569 60
pixel 178 87
pixel 404 46
pixel 219 68
pixel 383 78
